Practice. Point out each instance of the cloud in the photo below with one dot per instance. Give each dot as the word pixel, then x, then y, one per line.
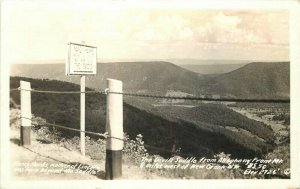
pixel 225 22
pixel 226 29
pixel 213 27
pixel 166 28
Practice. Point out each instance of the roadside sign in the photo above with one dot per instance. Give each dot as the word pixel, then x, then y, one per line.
pixel 82 60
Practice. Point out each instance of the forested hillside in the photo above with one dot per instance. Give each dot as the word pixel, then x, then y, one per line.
pixel 192 139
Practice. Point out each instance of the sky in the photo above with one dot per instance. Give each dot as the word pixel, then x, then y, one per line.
pixel 38 31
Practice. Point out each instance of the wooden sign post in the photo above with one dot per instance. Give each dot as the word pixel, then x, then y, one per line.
pixel 82 60
pixel 82 114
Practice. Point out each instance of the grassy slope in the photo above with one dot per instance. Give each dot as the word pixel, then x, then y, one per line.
pixel 220 115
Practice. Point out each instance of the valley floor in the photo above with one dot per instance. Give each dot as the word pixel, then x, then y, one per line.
pixel 282 137
pixel 281 131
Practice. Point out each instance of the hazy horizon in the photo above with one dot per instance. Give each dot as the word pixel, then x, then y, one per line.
pixel 174 61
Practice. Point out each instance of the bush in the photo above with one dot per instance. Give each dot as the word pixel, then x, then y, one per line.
pixel 134 150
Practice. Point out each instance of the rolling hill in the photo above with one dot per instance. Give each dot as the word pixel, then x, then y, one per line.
pixel 260 80
pixel 254 80
pixel 137 76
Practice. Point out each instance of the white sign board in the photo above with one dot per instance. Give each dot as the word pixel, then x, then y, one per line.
pixel 82 60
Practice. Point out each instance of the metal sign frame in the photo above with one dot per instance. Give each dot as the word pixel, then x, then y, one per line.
pixel 70 70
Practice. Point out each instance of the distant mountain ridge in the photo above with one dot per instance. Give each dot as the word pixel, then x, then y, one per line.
pixel 136 76
pixel 201 62
pixel 212 68
pixel 265 80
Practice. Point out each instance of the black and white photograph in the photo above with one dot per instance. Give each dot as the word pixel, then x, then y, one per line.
pixel 115 91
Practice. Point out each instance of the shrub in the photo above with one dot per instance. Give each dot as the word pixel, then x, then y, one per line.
pixel 134 150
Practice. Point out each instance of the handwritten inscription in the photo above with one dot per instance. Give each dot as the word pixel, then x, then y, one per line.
pixel 48 168
pixel 253 166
